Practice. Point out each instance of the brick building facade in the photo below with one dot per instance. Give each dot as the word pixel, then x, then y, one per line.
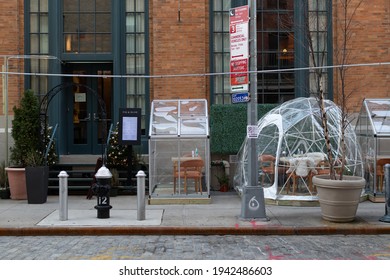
pixel 179 46
pixel 369 43
pixel 179 41
pixel 12 43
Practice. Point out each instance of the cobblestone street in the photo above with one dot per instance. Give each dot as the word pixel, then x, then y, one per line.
pixel 336 247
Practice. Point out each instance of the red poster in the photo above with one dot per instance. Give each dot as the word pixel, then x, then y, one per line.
pixel 239 70
pixel 239 14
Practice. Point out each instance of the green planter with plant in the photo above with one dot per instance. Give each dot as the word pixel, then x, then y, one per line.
pixel 37 177
pixel 29 153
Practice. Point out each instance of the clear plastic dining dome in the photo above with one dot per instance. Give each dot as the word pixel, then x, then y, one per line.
pixel 291 150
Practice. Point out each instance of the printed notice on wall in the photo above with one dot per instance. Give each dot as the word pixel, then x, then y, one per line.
pixel 80 97
pixel 130 129
pixel 252 131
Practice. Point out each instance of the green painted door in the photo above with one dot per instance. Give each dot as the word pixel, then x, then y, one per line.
pixel 87 124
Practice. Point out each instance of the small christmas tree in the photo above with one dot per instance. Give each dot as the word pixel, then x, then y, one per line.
pixel 116 154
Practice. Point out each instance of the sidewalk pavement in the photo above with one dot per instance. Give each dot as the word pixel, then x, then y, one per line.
pixel 222 216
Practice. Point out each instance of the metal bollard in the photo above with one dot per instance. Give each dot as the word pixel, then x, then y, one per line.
pixel 386 217
pixel 63 195
pixel 141 195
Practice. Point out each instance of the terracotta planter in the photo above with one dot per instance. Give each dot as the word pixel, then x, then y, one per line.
pixel 224 188
pixel 339 200
pixel 17 182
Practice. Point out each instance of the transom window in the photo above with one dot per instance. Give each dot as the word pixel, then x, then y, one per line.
pixel 87 26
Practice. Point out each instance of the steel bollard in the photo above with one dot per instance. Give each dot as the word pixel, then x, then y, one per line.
pixel 102 190
pixel 386 217
pixel 141 195
pixel 63 195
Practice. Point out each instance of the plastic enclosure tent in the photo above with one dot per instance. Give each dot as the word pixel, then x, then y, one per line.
pixel 293 135
pixel 179 132
pixel 373 132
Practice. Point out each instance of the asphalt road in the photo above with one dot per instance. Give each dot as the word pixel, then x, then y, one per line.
pixel 330 247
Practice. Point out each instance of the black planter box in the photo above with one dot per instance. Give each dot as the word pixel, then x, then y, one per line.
pixel 5 194
pixel 37 181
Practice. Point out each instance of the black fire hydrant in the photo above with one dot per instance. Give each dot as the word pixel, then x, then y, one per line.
pixel 102 190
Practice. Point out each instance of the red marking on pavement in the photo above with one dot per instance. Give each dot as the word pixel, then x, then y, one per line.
pixel 255 225
pixel 371 258
pixel 271 256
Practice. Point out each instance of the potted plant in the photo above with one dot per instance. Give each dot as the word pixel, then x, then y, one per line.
pixel 24 133
pixel 223 182
pixel 37 176
pixel 30 155
pixel 339 191
pixel 4 189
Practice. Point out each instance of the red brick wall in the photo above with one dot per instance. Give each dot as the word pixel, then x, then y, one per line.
pixel 179 47
pixel 182 47
pixel 369 43
pixel 11 43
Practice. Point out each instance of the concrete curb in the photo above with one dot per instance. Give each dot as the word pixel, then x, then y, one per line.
pixel 69 231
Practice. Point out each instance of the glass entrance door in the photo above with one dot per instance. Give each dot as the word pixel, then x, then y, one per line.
pixel 87 125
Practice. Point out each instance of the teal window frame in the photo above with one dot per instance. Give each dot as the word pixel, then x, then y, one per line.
pixel 37 43
pixel 137 58
pixel 219 56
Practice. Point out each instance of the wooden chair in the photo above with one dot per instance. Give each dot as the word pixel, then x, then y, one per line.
pixel 295 178
pixel 323 167
pixel 304 169
pixel 380 171
pixel 190 169
pixel 267 167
